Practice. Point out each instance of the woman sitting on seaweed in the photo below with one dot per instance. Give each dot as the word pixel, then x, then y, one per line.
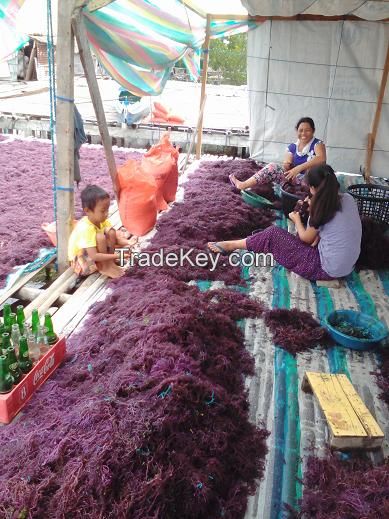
pixel 327 248
pixel 307 152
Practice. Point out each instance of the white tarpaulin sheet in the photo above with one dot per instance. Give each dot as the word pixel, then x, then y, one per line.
pixel 330 71
pixel 365 9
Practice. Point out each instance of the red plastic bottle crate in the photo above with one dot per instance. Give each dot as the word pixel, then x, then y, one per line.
pixel 11 403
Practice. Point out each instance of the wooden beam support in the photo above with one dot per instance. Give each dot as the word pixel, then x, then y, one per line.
pixel 194 7
pixel 203 86
pixel 312 17
pixel 87 63
pixel 65 129
pixel 31 63
pixel 372 136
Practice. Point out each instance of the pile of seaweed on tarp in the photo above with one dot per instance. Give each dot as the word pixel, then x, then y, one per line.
pixel 212 211
pixel 294 330
pixel 339 489
pixel 149 415
pixel 25 164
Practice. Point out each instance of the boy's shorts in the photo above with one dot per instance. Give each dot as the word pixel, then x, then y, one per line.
pixel 83 265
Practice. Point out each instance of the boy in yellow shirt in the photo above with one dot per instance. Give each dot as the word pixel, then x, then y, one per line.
pixel 93 240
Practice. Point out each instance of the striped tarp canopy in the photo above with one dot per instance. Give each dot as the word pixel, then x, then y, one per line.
pixel 138 41
pixel 10 39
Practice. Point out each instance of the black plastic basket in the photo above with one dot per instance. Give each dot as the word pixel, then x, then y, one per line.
pixel 289 201
pixel 372 200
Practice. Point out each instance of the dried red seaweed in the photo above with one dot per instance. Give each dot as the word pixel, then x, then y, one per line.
pixel 26 163
pixel 147 418
pixel 352 489
pixel 294 330
pixel 210 212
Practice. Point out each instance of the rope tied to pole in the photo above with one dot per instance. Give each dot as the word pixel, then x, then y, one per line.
pixel 52 91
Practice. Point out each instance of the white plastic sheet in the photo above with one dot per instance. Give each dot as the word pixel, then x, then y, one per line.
pixel 366 10
pixel 330 71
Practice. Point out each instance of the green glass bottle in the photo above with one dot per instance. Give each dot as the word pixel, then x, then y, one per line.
pixel 20 317
pixel 6 342
pixel 52 337
pixel 13 365
pixel 6 379
pixel 35 322
pixel 6 311
pixel 13 320
pixel 2 330
pixel 25 363
pixel 6 317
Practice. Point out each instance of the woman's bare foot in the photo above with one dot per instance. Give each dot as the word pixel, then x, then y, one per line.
pixel 236 183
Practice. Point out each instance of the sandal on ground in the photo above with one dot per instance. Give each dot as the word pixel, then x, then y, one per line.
pixel 222 251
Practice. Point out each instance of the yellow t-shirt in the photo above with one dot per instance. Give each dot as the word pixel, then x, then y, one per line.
pixel 83 236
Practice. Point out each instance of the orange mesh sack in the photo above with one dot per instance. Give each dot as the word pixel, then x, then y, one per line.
pixel 137 202
pixel 160 108
pixel 161 161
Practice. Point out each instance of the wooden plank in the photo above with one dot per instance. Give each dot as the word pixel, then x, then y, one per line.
pixel 65 130
pixel 77 305
pixel 341 419
pixel 313 17
pixel 22 281
pixel 370 425
pixel 203 86
pixel 377 116
pixel 350 423
pixel 89 69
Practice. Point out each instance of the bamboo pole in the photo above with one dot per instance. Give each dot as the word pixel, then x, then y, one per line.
pixel 203 86
pixel 31 293
pixel 51 294
pixel 372 136
pixel 87 63
pixel 193 138
pixel 65 129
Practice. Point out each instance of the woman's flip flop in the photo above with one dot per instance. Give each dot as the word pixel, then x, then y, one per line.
pixel 222 251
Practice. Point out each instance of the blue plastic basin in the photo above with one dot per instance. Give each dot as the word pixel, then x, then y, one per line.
pixel 376 329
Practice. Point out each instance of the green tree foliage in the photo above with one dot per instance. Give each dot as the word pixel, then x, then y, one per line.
pixel 229 55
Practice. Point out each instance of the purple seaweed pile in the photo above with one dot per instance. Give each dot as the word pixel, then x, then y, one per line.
pixel 352 489
pixel 147 419
pixel 294 330
pixel 211 212
pixel 27 196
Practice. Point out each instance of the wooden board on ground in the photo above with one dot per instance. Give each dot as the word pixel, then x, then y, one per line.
pixel 350 423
